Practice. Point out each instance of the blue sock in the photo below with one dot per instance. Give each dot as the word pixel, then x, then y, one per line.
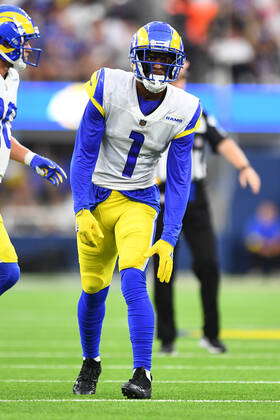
pixel 9 275
pixel 91 312
pixel 140 316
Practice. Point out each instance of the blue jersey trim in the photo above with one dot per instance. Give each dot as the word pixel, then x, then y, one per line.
pixel 147 107
pixel 6 137
pixel 149 196
pixel 1 108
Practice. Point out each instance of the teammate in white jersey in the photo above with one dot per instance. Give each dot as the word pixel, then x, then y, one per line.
pixel 130 120
pixel 16 31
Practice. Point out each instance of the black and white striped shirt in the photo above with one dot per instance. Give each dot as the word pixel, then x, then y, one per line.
pixel 209 132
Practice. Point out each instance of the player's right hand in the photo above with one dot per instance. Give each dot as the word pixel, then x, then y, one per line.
pixel 87 228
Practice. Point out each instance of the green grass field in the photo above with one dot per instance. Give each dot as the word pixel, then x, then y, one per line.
pixel 40 356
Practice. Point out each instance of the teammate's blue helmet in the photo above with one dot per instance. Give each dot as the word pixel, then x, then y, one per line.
pixel 156 38
pixel 17 28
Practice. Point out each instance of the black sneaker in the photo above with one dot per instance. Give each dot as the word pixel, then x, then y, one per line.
pixel 167 349
pixel 139 387
pixel 213 345
pixel 86 382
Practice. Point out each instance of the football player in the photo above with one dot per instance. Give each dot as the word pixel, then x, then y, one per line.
pixel 16 34
pixel 130 120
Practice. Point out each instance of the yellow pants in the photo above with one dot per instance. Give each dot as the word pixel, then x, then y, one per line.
pixel 128 228
pixel 7 251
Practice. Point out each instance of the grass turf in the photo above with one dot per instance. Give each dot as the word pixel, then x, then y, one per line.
pixel 40 356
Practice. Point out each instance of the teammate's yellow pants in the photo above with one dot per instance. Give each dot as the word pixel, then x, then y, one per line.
pixel 7 250
pixel 128 228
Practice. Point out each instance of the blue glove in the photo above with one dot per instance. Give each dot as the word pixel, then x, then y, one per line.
pixel 48 169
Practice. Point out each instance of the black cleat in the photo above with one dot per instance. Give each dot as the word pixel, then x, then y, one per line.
pixel 213 345
pixel 167 349
pixel 86 382
pixel 139 386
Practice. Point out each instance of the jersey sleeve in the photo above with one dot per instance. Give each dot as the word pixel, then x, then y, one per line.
pixel 84 158
pixel 95 90
pixel 193 125
pixel 214 133
pixel 177 188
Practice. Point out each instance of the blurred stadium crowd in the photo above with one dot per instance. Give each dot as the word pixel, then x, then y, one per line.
pixel 227 41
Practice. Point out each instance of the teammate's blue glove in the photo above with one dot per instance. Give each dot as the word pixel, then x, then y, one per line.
pixel 47 169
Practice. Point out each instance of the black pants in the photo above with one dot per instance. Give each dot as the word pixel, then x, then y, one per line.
pixel 198 232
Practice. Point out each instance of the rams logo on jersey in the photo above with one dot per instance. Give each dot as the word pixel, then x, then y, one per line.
pixel 175 119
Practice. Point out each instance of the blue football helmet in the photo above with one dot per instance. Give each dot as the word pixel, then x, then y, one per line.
pixel 156 43
pixel 16 29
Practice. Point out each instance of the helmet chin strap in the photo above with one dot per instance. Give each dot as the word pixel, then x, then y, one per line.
pixel 155 86
pixel 19 65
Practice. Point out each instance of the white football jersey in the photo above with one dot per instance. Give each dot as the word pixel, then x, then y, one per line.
pixel 133 142
pixel 8 100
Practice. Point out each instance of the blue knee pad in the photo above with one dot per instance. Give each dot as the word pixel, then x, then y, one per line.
pixel 140 316
pixel 9 275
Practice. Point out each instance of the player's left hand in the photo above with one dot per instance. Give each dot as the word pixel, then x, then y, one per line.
pixel 165 252
pixel 48 169
pixel 248 176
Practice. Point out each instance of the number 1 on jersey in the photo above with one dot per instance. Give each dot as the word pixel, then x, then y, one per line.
pixel 133 153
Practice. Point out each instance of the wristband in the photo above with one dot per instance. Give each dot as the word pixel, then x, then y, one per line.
pixel 28 157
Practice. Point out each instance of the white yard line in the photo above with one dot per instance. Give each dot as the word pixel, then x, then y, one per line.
pixel 165 367
pixel 202 382
pixel 33 344
pixel 108 381
pixel 197 355
pixel 93 400
pixel 191 345
pixel 246 344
